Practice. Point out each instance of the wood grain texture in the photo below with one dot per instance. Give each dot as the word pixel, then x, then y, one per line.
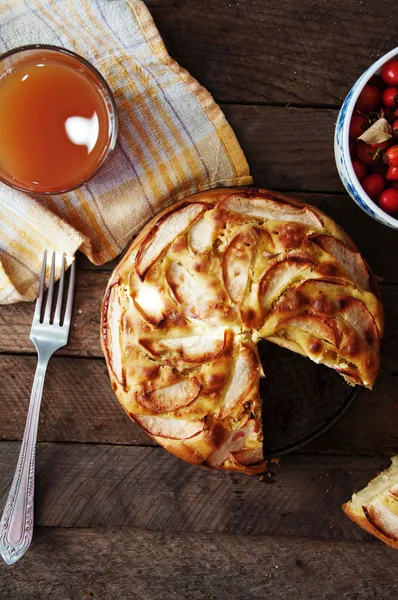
pixel 261 51
pixel 128 564
pixel 287 148
pixel 93 485
pixel 79 406
pixel 78 403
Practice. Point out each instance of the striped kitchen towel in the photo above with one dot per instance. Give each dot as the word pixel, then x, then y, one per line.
pixel 173 139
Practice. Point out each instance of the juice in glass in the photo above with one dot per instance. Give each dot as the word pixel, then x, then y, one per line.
pixel 57 120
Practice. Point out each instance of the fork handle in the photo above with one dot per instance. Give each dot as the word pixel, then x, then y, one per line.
pixel 16 525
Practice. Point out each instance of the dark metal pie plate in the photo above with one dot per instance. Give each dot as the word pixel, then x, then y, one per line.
pixel 300 399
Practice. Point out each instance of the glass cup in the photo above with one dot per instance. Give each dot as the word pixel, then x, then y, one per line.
pixel 50 143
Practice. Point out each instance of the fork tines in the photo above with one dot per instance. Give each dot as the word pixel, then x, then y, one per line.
pixel 50 295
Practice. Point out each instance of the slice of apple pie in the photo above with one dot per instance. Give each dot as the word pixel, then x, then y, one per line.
pixel 200 286
pixel 375 508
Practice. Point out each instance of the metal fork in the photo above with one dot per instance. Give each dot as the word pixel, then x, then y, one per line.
pixel 48 335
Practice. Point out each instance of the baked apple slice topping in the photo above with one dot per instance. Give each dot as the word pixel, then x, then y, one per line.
pixel 360 319
pixel 164 232
pixel 200 235
pixel 234 443
pixel 191 349
pixel 348 258
pixel 315 326
pixel 375 508
pixel 197 302
pixel 264 208
pixel 170 397
pixel 382 518
pixel 176 429
pixel 149 302
pixel 245 372
pixel 280 276
pixel 236 264
pixel 112 332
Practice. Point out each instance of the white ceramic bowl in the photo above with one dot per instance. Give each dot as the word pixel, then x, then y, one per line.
pixel 342 152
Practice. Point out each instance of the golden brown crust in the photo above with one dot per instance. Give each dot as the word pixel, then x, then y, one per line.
pixel 362 521
pixel 375 507
pixel 196 289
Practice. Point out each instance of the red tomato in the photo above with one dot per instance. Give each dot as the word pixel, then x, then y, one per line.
pixel 357 126
pixel 392 174
pixel 394 127
pixel 388 200
pixel 389 72
pixel 377 81
pixel 370 153
pixel 390 97
pixel 369 99
pixel 391 156
pixel 373 185
pixel 380 168
pixel 359 169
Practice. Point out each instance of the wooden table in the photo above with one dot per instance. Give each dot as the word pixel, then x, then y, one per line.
pixel 118 517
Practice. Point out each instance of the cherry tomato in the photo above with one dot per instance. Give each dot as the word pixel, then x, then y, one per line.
pixel 394 127
pixel 352 146
pixel 391 156
pixel 389 72
pixel 370 153
pixel 388 200
pixel 380 168
pixel 357 126
pixel 392 174
pixel 359 169
pixel 390 97
pixel 373 185
pixel 369 99
pixel 377 81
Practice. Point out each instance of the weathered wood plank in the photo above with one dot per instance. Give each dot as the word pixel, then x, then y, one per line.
pixel 78 403
pixel 141 565
pixel 79 406
pixel 287 148
pixel 264 51
pixel 92 485
pixel 15 321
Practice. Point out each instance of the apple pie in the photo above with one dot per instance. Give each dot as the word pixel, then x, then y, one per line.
pixel 375 508
pixel 200 286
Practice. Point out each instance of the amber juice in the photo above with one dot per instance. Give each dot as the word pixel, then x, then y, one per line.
pixel 55 125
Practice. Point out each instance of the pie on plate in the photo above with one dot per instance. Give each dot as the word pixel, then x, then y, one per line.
pixel 198 288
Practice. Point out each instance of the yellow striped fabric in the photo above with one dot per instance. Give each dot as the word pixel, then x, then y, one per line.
pixel 173 139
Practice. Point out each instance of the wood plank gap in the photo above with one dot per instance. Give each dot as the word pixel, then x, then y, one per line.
pixel 140 444
pixel 306 105
pixel 311 452
pixel 98 357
